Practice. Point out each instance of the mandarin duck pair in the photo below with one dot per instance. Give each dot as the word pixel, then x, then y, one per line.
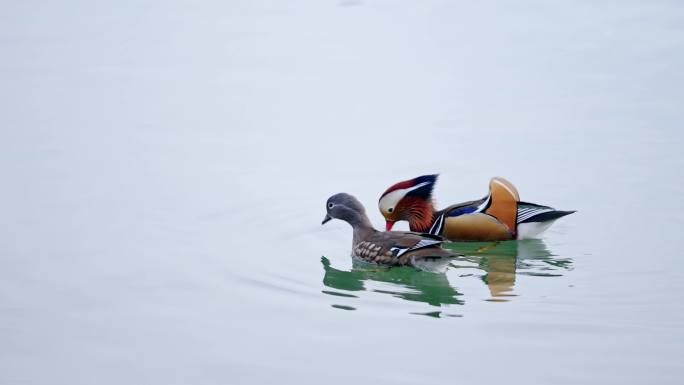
pixel 498 216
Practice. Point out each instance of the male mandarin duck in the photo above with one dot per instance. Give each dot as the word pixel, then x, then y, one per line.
pixel 498 216
pixel 389 248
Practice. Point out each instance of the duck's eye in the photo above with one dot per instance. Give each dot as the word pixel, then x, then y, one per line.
pixel 330 205
pixel 389 210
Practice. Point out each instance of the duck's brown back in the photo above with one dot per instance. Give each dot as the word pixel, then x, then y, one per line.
pixel 398 248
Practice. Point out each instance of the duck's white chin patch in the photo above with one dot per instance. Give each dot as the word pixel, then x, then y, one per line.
pixel 531 230
pixel 438 265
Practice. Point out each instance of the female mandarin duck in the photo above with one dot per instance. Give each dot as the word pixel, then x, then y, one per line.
pixel 389 248
pixel 498 216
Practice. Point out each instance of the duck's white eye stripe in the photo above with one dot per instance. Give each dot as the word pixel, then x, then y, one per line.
pixel 392 198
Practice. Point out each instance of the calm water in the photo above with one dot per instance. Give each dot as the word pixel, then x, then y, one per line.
pixel 165 167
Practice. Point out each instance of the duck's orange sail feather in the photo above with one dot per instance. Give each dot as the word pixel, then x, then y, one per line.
pixel 504 202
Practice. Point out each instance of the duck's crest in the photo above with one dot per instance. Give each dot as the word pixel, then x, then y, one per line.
pixel 420 187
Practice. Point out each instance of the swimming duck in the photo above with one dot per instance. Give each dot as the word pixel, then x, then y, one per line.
pixel 498 216
pixel 384 247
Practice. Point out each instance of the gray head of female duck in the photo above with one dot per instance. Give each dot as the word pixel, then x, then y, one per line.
pixel 347 208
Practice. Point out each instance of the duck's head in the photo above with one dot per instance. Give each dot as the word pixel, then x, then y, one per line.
pixel 410 200
pixel 345 207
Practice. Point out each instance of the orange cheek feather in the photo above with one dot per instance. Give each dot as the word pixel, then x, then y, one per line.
pixel 417 211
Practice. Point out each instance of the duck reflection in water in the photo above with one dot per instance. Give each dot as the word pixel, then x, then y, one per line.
pixel 430 288
pixel 501 261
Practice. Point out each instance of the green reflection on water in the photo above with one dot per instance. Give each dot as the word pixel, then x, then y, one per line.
pixel 495 263
pixel 431 288
pixel 501 261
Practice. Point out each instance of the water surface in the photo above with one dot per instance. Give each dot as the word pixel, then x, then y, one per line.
pixel 165 167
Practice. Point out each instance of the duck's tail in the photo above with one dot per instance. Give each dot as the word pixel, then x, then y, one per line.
pixel 534 219
pixel 531 212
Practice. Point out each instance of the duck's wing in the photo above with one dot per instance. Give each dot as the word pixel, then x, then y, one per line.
pixel 399 242
pixel 503 202
pixel 493 217
pixel 462 208
pixel 453 211
pixel 396 248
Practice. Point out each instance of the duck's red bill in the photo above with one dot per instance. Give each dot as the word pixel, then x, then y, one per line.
pixel 389 225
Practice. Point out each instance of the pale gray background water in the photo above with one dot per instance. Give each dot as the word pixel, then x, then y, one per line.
pixel 164 169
